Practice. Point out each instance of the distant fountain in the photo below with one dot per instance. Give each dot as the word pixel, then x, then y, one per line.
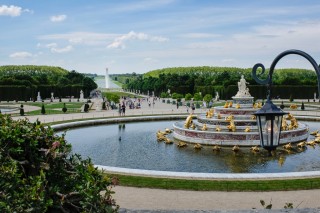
pixel 107 79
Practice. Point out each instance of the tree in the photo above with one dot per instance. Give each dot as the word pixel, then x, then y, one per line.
pixel 64 108
pixel 38 173
pixel 43 110
pixel 197 97
pixel 21 110
pixel 207 98
pixel 188 97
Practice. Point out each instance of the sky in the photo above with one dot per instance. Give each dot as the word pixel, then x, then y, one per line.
pixel 142 35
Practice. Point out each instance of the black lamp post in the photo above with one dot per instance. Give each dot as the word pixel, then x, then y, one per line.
pixel 269 117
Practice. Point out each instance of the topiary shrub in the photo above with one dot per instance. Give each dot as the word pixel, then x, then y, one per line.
pixel 86 107
pixel 43 110
pixel 302 106
pixel 39 174
pixel 64 108
pixel 21 110
pixel 282 105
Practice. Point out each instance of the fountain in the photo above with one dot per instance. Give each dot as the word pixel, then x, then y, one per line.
pixel 233 124
pixel 107 79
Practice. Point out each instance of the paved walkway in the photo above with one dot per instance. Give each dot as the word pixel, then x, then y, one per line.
pixel 160 199
pixel 167 200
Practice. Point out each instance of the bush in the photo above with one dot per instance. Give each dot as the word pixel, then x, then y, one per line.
pixel 197 97
pixel 38 173
pixel 282 105
pixel 21 110
pixel 43 110
pixel 302 106
pixel 64 108
pixel 188 97
pixel 291 98
pixel 86 107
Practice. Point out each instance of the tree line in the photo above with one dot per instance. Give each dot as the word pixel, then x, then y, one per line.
pixel 301 83
pixel 23 82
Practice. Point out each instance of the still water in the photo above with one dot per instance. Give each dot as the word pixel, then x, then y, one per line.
pixel 134 145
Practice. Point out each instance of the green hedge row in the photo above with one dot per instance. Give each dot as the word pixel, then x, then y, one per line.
pixel 23 93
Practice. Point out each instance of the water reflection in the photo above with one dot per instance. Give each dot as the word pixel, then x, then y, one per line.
pixel 134 145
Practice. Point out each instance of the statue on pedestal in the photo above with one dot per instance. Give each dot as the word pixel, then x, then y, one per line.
pixel 81 95
pixel 243 90
pixel 39 97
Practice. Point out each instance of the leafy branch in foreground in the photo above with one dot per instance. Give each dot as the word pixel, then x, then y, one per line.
pixel 38 173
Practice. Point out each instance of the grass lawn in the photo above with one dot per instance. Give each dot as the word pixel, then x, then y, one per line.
pixel 122 94
pixel 218 185
pixel 55 105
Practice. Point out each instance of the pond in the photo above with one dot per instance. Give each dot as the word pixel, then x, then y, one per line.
pixel 135 146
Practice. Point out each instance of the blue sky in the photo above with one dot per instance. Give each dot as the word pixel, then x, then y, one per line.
pixel 138 36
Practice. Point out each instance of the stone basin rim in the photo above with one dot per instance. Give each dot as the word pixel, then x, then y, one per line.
pixel 181 175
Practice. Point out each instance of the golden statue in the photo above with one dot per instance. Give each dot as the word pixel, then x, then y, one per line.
pixel 238 106
pixel 259 105
pixel 231 127
pixel 247 129
pixel 229 118
pixel 188 121
pixel 230 104
pixel 193 126
pixel 255 149
pixel 284 125
pixel 293 106
pixel 289 116
pixel 226 105
pixel 204 127
pixel 219 115
pixel 197 146
pixel 218 129
pixel 253 117
pixel 209 113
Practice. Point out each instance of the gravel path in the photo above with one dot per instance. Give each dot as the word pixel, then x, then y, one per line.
pixel 160 199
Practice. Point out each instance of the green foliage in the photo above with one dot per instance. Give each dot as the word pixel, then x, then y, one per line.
pixel 38 173
pixel 112 97
pixel 164 95
pixel 64 108
pixel 197 97
pixel 86 107
pixel 176 96
pixel 25 81
pixel 188 97
pixel 43 110
pixel 21 110
pixel 207 98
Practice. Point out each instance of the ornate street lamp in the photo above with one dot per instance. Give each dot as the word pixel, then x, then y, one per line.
pixel 269 117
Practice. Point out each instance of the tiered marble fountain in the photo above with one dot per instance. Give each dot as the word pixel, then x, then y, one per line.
pixel 233 124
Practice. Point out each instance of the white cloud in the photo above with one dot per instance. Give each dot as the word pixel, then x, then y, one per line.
pixel 10 10
pixel 85 38
pixel 150 60
pixel 68 48
pixel 119 41
pixel 20 55
pixel 58 18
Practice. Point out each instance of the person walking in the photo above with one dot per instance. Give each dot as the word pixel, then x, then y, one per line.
pixel 123 109
pixel 119 109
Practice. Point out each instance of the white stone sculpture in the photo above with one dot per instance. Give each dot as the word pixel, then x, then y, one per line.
pixel 217 96
pixel 81 95
pixel 243 90
pixel 39 97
